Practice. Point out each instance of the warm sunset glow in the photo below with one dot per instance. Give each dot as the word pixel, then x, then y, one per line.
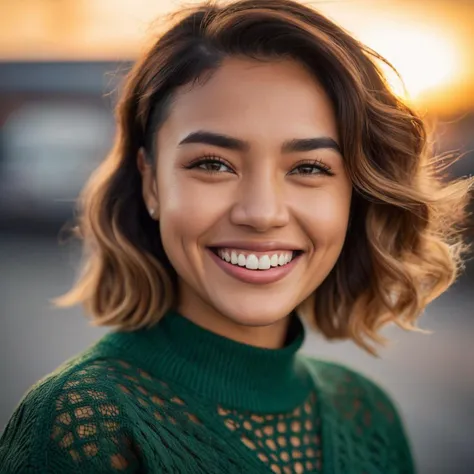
pixel 426 60
pixel 430 43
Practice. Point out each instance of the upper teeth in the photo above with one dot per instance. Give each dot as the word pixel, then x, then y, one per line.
pixel 252 262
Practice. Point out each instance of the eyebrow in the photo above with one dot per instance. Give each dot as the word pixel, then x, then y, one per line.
pixel 236 144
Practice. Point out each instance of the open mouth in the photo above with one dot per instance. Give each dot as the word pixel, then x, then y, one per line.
pixel 256 261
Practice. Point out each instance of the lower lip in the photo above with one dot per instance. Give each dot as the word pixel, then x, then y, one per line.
pixel 259 277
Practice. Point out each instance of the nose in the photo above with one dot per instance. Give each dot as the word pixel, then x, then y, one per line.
pixel 261 206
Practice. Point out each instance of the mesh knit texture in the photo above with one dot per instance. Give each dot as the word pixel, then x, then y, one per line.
pixel 177 398
pixel 108 416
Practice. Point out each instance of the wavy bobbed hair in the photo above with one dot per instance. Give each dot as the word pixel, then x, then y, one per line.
pixel 404 246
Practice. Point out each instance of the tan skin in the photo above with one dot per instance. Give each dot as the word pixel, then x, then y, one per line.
pixel 258 194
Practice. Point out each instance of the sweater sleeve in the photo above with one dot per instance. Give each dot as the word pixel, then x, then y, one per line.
pixel 368 431
pixel 388 415
pixel 71 425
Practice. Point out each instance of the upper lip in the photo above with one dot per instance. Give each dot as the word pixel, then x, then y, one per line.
pixel 256 246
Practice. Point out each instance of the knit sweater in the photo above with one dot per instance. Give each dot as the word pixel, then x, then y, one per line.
pixel 178 398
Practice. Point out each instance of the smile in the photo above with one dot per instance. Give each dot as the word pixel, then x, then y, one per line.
pixel 254 260
pixel 255 267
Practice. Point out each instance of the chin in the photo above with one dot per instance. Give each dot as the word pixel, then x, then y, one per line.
pixel 255 315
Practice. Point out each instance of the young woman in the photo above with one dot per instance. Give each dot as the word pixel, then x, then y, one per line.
pixel 263 175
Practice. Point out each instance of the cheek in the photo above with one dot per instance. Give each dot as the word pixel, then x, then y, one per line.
pixel 187 208
pixel 325 217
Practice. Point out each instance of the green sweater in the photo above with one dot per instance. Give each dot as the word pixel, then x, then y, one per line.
pixel 177 398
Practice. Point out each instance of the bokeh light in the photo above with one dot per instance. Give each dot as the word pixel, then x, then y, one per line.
pixel 425 58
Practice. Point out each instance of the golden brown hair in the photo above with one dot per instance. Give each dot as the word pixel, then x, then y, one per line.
pixel 403 247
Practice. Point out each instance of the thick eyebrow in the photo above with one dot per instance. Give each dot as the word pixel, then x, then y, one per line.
pixel 236 144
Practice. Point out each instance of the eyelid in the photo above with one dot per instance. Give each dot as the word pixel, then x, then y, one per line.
pixel 317 163
pixel 208 158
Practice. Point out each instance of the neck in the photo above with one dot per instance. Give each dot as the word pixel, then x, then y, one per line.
pixel 271 336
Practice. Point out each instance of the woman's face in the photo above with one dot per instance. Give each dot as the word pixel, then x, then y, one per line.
pixel 248 170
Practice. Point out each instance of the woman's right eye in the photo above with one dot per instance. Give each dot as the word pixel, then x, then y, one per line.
pixel 211 165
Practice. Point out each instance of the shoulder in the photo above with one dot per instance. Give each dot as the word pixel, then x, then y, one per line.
pixel 74 419
pixel 362 412
pixel 340 382
pixel 351 392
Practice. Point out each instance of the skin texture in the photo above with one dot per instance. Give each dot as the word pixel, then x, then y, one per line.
pixel 260 194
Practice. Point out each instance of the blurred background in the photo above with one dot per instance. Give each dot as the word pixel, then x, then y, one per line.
pixel 61 63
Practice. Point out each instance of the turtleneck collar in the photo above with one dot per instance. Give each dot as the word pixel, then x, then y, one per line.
pixel 231 373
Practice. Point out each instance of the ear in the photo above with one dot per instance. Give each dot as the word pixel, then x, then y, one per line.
pixel 149 188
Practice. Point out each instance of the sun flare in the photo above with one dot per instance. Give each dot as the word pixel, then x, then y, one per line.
pixel 426 60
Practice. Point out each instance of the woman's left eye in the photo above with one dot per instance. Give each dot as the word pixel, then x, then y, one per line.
pixel 313 168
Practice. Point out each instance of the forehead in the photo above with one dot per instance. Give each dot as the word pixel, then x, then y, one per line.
pixel 255 98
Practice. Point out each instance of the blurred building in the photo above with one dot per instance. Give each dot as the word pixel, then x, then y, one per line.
pixel 56 125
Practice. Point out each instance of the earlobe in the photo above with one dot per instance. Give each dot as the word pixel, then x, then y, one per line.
pixel 154 211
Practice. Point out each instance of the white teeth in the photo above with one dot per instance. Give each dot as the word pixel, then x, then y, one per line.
pixel 264 263
pixel 252 262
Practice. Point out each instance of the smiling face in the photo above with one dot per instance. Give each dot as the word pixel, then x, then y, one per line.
pixel 262 184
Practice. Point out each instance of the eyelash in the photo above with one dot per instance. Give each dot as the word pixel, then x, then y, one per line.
pixel 206 159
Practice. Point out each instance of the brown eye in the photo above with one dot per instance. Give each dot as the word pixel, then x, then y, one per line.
pixel 312 168
pixel 308 169
pixel 211 165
